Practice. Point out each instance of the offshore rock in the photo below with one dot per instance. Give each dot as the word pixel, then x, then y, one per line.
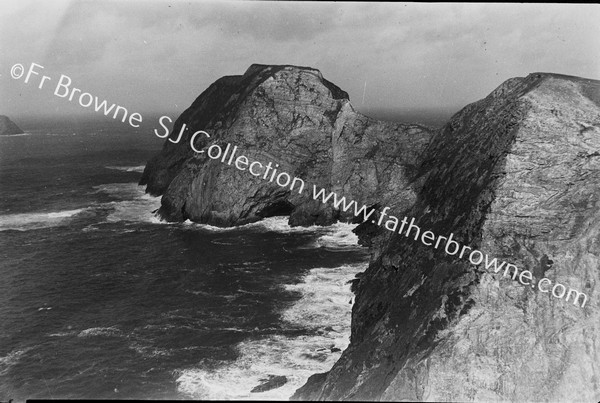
pixel 7 126
pixel 516 175
pixel 293 117
pixel 272 382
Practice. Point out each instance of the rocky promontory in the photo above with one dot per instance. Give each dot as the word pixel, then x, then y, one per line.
pixel 7 126
pixel 516 175
pixel 290 116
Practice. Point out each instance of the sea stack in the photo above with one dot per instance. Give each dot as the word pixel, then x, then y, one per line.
pixel 295 119
pixel 516 175
pixel 7 126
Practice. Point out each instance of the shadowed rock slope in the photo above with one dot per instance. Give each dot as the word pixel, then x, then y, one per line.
pixel 516 175
pixel 7 126
pixel 293 117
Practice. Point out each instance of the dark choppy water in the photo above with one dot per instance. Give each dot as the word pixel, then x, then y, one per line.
pixel 99 299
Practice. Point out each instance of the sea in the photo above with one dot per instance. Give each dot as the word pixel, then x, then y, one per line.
pixel 100 299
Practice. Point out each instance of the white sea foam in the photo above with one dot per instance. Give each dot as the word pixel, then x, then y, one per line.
pixel 11 359
pixel 324 308
pixel 327 289
pixel 17 135
pixel 100 331
pixel 280 224
pixel 274 224
pixel 339 236
pixel 137 206
pixel 63 334
pixel 149 351
pixel 28 221
pixel 128 168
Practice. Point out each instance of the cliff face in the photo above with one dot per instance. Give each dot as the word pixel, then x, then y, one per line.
pixel 7 126
pixel 516 175
pixel 293 117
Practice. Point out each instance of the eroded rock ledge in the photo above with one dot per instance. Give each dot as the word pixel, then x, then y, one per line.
pixel 516 175
pixel 293 117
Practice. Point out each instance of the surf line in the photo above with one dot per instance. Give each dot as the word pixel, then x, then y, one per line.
pixel 256 168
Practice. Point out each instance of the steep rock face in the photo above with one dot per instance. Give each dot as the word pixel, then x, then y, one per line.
pixel 7 126
pixel 516 175
pixel 293 117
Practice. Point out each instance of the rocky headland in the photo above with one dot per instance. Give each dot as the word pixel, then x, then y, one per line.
pixel 293 117
pixel 7 126
pixel 516 174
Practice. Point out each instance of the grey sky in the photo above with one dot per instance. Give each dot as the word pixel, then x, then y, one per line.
pixel 158 56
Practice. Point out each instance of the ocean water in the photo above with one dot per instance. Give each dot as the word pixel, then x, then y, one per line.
pixel 100 299
pixel 431 117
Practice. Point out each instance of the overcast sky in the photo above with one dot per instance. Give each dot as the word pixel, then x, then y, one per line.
pixel 158 56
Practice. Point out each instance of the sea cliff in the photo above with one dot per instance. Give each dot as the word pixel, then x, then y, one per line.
pixel 293 117
pixel 517 175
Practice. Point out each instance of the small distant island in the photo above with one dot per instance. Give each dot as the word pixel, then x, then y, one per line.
pixel 7 126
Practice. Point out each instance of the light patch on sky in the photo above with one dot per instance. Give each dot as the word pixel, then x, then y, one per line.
pixel 158 56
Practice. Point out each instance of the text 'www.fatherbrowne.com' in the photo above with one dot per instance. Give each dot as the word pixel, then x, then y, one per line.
pixel 407 226
pixel 64 88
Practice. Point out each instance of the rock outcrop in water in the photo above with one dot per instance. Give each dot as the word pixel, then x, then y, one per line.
pixel 516 175
pixel 7 126
pixel 293 117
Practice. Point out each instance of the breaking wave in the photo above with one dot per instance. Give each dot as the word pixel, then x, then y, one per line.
pixel 275 224
pixel 139 169
pixel 100 331
pixel 17 135
pixel 11 359
pixel 135 206
pixel 335 236
pixel 323 311
pixel 339 236
pixel 28 221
